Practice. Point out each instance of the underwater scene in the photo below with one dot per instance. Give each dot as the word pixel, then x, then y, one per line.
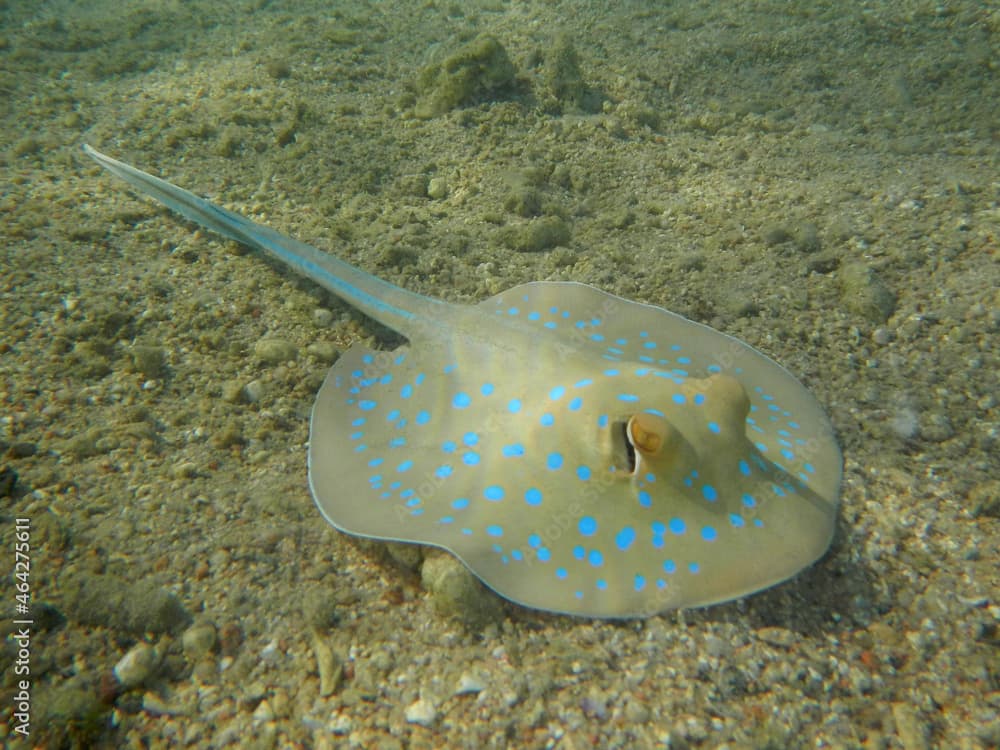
pixel 500 375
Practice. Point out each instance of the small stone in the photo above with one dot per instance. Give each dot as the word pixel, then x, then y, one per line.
pixel 328 664
pixel 778 636
pixel 421 712
pixel 457 593
pixel 865 294
pixel 263 711
pixel 199 640
pixel 253 392
pixel 324 351
pixel 137 666
pixel 275 351
pixel 469 683
pixel 322 317
pixel 437 188
pixel 151 361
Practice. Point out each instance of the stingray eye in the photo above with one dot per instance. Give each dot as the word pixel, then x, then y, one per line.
pixel 647 432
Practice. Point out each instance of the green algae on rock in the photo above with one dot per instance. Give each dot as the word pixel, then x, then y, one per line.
pixel 481 70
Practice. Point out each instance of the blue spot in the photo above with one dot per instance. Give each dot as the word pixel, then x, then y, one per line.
pixel 367 359
pixel 575 404
pixel 579 552
pixel 611 373
pixel 602 421
pixel 736 520
pixel 385 379
pixel 713 427
pixel 419 379
pixel 461 400
pixel 406 391
pixel 708 492
pixel 583 472
pixel 494 530
pixel 448 446
pixel 367 405
pixel 627 397
pixel 512 311
pixel 443 471
pixel 397 442
pixel 534 316
pixel 358 422
pixel 644 499
pixel 534 540
pixel 582 383
pixel 669 566
pixel 533 496
pixel 494 492
pixel 640 583
pixel 547 420
pixel 460 503
pixel 625 538
pixel 699 399
pixel 678 398
pixel 446 519
pixel 470 438
pixel 423 417
pixel 470 458
pixel 809 468
pixel 554 461
pixel 744 468
pixel 649 344
pixel 549 324
pixel 714 368
pixel 375 462
pixel 601 584
pixel 787 454
pixel 557 393
pixel 516 449
pixel 516 554
pixel 694 567
pixel 543 554
pixel 405 466
pixel 392 416
pixel 709 534
pixel 748 500
pixel 677 526
pixel 357 435
pixel 561 573
pixel 595 558
pixel 514 406
pixel 587 526
pixel 596 337
pixel 487 389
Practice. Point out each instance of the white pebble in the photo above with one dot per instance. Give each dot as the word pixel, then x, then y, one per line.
pixel 421 712
pixel 137 666
pixel 469 683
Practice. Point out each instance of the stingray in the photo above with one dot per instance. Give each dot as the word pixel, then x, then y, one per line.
pixel 579 452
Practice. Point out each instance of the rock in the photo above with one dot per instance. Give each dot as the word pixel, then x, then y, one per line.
pixel 274 351
pixel 137 666
pixel 457 593
pixel 437 188
pixel 910 728
pixel 469 682
pixel 199 641
pixel 865 294
pixel 421 712
pixel 479 71
pixel 151 361
pixel 328 664
pixel 109 601
pixel 536 235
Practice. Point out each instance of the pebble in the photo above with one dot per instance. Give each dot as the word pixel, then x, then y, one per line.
pixel 137 666
pixel 275 351
pixel 421 712
pixel 458 593
pixel 437 188
pixel 328 664
pixel 199 640
pixel 469 683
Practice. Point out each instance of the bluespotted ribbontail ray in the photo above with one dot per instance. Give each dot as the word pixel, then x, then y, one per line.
pixel 579 452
